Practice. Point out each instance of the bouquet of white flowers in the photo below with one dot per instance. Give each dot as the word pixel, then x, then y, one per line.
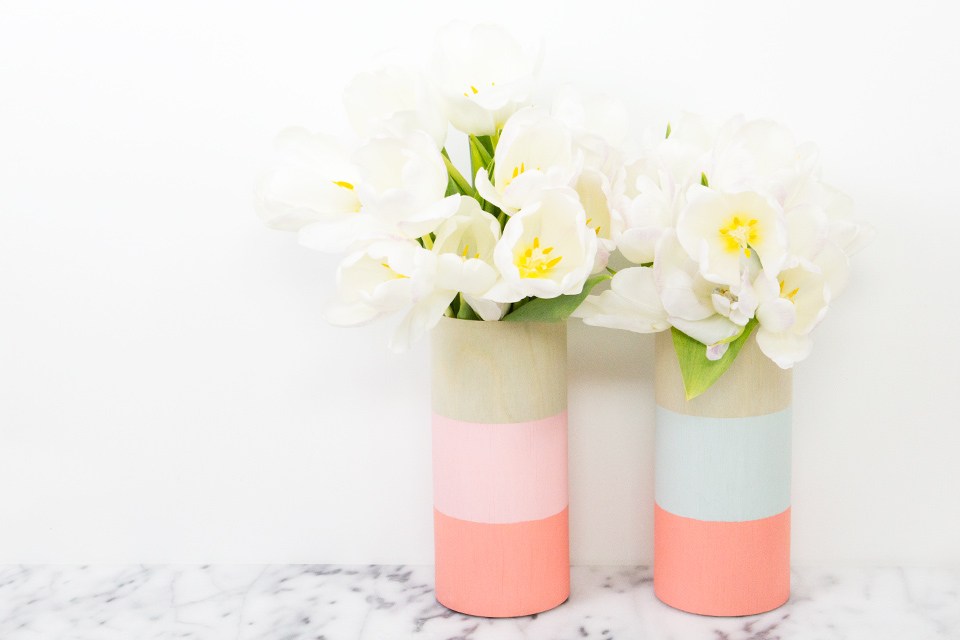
pixel 517 240
pixel 733 232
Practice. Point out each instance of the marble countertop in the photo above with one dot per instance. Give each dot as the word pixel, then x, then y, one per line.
pixel 333 602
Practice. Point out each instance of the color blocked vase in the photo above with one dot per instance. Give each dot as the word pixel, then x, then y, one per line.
pixel 722 514
pixel 500 466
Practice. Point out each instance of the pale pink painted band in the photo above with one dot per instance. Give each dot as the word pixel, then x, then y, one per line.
pixel 500 473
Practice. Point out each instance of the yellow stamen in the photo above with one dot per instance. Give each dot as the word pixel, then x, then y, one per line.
pixel 474 89
pixel 789 296
pixel 392 272
pixel 516 172
pixel 344 184
pixel 533 261
pixel 740 233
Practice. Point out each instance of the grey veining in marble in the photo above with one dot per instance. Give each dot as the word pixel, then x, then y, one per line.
pixel 298 602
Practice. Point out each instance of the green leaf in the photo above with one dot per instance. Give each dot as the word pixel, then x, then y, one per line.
pixel 698 372
pixel 703 179
pixel 554 309
pixel 476 162
pixel 452 187
pixel 488 144
pixel 480 156
pixel 669 130
pixel 463 186
pixel 466 312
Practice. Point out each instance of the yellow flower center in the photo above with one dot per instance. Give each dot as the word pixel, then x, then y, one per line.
pixel 535 261
pixel 740 233
pixel 344 184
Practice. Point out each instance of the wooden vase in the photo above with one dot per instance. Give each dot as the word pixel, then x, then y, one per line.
pixel 500 466
pixel 722 514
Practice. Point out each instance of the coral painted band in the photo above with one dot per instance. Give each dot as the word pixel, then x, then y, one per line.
pixel 722 568
pixel 502 570
pixel 500 473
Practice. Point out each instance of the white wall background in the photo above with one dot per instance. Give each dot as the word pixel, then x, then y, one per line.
pixel 168 391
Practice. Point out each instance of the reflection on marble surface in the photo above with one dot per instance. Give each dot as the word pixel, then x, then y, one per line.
pixel 299 602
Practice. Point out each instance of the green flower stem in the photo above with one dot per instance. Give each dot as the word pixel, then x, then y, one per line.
pixel 462 184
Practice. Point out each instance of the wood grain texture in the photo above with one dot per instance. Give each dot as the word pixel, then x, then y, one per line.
pixel 752 386
pixel 499 372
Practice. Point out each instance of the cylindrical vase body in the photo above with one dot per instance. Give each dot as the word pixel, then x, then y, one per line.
pixel 722 514
pixel 500 466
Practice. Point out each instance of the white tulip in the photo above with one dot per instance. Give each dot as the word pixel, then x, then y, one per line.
pixel 535 152
pixel 312 180
pixel 657 181
pixel 421 318
pixel 384 277
pixel 687 153
pixel 463 256
pixel 387 277
pixel 401 191
pixel 546 250
pixel 597 195
pixel 403 183
pixel 724 231
pixel 464 247
pixel 598 125
pixel 394 101
pixel 631 303
pixel 688 298
pixel 793 303
pixel 483 74
pixel 646 216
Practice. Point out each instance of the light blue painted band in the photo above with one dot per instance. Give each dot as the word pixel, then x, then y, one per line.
pixel 723 469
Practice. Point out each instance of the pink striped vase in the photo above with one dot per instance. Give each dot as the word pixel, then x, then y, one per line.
pixel 500 467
